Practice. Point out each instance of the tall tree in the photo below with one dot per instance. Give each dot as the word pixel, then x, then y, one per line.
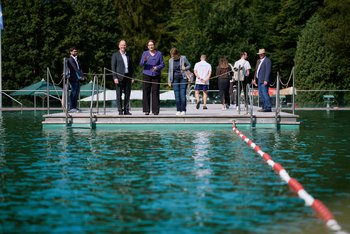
pixel 288 23
pixel 141 20
pixel 94 29
pixel 22 42
pixel 336 15
pixel 314 63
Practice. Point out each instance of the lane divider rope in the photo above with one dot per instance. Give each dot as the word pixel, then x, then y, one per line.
pixel 321 210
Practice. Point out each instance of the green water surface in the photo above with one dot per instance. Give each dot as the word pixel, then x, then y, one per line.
pixel 170 181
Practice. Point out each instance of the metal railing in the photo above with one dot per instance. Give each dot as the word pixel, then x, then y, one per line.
pixel 13 99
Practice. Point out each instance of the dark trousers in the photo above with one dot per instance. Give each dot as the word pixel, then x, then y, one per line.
pixel 224 90
pixel 232 92
pixel 150 89
pixel 242 87
pixel 124 86
pixel 180 87
pixel 74 94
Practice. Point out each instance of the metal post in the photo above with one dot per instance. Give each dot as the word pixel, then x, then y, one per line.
pixel 0 72
pixel 293 90
pixel 104 91
pixel 92 100
pixel 239 91
pixel 47 90
pixel 98 99
pixel 277 111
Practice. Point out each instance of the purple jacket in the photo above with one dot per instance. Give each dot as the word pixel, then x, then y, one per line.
pixel 152 61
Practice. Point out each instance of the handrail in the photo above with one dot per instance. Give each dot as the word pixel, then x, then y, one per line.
pixel 48 78
pixel 239 91
pixel 278 107
pixel 65 95
pixel 92 99
pixel 104 91
pixel 13 99
pixel 293 94
pixel 249 91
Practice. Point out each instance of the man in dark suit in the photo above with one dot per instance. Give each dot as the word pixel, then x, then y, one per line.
pixel 262 75
pixel 123 76
pixel 75 75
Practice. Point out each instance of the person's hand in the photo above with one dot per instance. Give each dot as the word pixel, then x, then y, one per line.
pixel 265 82
pixel 254 82
pixel 154 68
pixel 132 81
pixel 145 58
pixel 116 81
pixel 169 84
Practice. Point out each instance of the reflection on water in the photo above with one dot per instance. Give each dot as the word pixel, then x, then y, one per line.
pixel 201 158
pixel 92 181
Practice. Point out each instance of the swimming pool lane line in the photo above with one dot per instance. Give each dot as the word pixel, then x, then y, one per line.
pixel 321 210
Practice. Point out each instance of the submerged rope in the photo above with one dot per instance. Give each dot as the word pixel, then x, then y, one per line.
pixel 321 210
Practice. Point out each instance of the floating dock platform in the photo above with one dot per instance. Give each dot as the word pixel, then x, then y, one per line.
pixel 214 116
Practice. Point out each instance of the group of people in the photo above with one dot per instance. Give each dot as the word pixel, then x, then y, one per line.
pixel 237 75
pixel 152 62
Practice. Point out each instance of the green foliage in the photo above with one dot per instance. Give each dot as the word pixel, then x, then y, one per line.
pixel 290 20
pixel 38 35
pixel 21 53
pixel 314 63
pixel 322 55
pixel 336 18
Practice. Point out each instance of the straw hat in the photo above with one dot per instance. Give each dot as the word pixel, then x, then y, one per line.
pixel 261 51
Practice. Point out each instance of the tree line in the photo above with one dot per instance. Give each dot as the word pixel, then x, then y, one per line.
pixel 310 35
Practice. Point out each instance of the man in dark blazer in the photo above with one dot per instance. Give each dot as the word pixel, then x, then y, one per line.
pixel 123 76
pixel 75 75
pixel 262 75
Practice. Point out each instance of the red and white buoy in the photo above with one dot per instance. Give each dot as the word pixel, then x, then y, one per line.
pixel 321 210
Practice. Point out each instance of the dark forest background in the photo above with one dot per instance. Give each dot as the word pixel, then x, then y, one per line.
pixel 310 35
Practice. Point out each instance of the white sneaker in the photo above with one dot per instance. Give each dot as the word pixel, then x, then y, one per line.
pixel 183 113
pixel 74 110
pixel 178 113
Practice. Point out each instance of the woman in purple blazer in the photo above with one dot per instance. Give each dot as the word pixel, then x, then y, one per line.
pixel 152 62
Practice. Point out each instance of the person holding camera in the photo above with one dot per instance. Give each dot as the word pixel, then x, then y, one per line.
pixel 242 66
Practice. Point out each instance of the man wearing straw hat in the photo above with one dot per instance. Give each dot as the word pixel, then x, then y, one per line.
pixel 262 75
pixel 123 76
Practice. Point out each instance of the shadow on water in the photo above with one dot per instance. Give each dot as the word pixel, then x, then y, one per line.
pixel 149 181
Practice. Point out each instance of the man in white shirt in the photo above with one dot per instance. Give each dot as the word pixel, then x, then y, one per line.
pixel 202 70
pixel 243 64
